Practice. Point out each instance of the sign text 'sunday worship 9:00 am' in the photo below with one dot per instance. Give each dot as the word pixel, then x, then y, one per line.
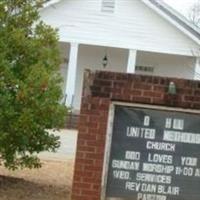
pixel 155 155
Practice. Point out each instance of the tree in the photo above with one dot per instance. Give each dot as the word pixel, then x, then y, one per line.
pixel 194 13
pixel 30 89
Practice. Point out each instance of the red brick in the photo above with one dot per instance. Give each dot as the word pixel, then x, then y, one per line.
pixel 104 88
pixel 135 92
pixel 83 185
pixel 119 84
pixel 87 149
pixel 85 161
pixel 87 174
pixel 152 94
pixel 93 168
pixel 94 155
pixel 91 192
pixel 92 180
pixel 160 88
pixel 141 99
pixel 142 86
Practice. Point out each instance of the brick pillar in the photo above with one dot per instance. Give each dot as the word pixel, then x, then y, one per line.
pixel 100 89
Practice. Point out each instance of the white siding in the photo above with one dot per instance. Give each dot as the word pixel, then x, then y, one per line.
pixel 168 65
pixel 133 25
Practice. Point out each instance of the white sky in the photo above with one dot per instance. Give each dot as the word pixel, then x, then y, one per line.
pixel 181 5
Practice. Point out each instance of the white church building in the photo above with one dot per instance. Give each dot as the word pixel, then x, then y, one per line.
pixel 130 36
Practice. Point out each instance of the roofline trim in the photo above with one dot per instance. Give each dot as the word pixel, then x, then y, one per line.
pixel 50 3
pixel 179 16
pixel 172 21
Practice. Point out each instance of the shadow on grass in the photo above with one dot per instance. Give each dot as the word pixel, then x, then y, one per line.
pixel 12 188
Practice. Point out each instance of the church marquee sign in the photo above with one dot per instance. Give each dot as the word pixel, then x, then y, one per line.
pixel 154 155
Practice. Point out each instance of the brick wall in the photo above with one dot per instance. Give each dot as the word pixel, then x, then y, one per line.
pixel 100 89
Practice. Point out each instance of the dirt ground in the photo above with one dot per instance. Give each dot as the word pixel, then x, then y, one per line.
pixel 51 182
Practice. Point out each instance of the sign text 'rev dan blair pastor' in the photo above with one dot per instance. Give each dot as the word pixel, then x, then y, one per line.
pixel 155 155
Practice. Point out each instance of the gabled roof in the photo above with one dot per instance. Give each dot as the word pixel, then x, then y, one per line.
pixel 175 17
pixel 166 12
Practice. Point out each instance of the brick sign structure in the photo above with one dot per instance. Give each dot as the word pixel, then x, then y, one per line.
pixel 136 141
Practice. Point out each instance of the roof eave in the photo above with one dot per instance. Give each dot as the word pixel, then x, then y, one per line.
pixel 50 3
pixel 172 21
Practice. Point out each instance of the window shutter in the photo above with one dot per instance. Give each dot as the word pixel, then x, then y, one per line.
pixel 108 6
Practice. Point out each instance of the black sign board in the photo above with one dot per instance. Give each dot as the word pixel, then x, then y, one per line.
pixel 155 155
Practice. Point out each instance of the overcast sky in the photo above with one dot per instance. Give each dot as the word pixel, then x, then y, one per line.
pixel 181 5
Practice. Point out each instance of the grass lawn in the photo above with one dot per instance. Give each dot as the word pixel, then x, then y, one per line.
pixel 51 182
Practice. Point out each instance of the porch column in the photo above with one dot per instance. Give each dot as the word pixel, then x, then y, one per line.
pixel 197 69
pixel 71 75
pixel 131 61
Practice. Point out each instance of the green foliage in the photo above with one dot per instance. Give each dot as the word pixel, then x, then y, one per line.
pixel 29 84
